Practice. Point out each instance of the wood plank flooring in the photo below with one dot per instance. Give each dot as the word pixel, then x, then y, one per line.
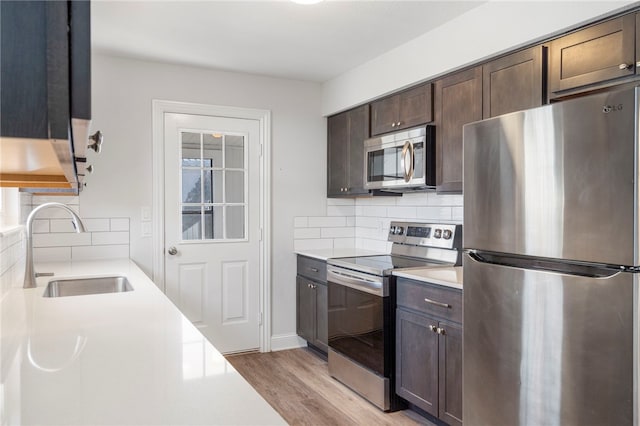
pixel 297 384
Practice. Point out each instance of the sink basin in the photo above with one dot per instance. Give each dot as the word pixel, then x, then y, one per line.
pixel 83 286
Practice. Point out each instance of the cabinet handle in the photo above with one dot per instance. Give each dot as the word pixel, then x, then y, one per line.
pixel 313 269
pixel 440 331
pixel 625 66
pixel 399 123
pixel 96 145
pixel 393 124
pixel 433 328
pixel 433 302
pixel 638 64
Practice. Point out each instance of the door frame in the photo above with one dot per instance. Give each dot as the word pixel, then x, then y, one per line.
pixel 159 109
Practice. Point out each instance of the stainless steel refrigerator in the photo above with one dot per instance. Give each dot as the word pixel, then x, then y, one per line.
pixel 551 238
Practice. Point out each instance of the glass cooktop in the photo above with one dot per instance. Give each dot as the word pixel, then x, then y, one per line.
pixel 382 264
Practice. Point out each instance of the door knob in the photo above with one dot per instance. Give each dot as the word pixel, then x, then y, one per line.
pixel 172 251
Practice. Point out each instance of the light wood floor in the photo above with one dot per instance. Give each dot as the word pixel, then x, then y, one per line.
pixel 297 384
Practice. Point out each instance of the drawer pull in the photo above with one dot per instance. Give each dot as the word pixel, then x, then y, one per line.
pixel 313 269
pixel 433 302
pixel 433 328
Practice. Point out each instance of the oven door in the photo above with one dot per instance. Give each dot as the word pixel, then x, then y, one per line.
pixel 359 317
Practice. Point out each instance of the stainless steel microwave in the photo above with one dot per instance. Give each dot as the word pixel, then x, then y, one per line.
pixel 402 161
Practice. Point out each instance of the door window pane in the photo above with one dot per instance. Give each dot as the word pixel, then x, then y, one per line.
pixel 235 222
pixel 213 186
pixel 191 191
pixel 234 152
pixel 214 191
pixel 212 149
pixel 234 187
pixel 191 223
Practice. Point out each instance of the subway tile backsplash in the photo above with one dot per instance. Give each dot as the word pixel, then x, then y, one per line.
pixel 364 222
pixel 55 239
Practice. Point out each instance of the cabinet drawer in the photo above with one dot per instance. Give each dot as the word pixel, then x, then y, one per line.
pixel 430 299
pixel 314 269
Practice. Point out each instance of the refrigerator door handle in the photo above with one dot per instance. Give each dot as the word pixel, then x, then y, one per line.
pixel 565 267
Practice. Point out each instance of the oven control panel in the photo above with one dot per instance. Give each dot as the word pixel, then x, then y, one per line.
pixel 426 234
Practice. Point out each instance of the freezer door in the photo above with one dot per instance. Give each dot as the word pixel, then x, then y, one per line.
pixel 555 181
pixel 546 348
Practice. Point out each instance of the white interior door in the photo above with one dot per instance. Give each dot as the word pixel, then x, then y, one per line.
pixel 212 226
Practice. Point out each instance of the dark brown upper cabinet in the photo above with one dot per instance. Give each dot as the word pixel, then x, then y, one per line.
pixel 345 152
pixel 406 109
pixel 514 82
pixel 458 101
pixel 594 55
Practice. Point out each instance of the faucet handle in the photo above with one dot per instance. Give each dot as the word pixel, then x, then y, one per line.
pixel 44 274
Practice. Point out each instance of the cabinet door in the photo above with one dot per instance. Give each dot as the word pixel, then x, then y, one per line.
pixel 80 51
pixel 322 334
pixel 514 82
pixel 305 309
pixel 384 115
pixel 637 43
pixel 458 101
pixel 358 132
pixel 416 106
pixel 34 89
pixel 450 369
pixel 417 360
pixel 596 54
pixel 337 154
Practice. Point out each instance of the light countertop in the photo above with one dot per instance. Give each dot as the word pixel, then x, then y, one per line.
pixel 121 358
pixel 325 254
pixel 447 276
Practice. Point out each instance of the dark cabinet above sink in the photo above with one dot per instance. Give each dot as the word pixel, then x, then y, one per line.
pixel 45 93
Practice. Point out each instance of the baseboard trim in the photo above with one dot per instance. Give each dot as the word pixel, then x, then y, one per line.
pixel 282 342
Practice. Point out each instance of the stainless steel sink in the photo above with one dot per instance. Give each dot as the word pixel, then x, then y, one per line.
pixel 83 286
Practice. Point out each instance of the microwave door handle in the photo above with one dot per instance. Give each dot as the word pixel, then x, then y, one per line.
pixel 408 171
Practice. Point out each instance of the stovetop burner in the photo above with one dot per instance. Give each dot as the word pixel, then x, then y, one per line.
pixel 383 264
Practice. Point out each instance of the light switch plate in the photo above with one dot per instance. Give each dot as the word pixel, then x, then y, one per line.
pixel 146 213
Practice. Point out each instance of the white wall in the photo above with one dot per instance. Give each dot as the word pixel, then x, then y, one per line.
pixel 493 27
pixel 121 185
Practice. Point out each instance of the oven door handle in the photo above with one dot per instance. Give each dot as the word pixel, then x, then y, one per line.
pixel 355 282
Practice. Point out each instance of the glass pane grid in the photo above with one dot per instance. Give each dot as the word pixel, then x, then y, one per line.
pixel 213 195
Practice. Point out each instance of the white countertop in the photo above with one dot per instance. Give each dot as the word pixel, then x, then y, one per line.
pixel 447 276
pixel 325 254
pixel 121 358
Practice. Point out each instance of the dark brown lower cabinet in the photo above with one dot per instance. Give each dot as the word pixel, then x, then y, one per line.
pixel 429 359
pixel 311 321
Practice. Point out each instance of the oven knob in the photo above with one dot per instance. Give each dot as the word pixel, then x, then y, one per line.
pixel 437 233
pixel 399 230
pixel 392 230
pixel 446 234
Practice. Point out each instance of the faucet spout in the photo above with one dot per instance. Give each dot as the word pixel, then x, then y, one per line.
pixel 29 273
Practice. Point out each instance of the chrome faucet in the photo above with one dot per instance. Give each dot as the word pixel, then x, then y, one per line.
pixel 29 274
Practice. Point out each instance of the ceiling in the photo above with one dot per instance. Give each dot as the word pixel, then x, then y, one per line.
pixel 270 37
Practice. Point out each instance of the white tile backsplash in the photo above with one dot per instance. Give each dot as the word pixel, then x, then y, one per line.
pixel 119 224
pixel 62 239
pixel 364 222
pixel 12 254
pixel 52 254
pixel 304 233
pixel 100 252
pixel 55 239
pixel 325 221
pixel 109 238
